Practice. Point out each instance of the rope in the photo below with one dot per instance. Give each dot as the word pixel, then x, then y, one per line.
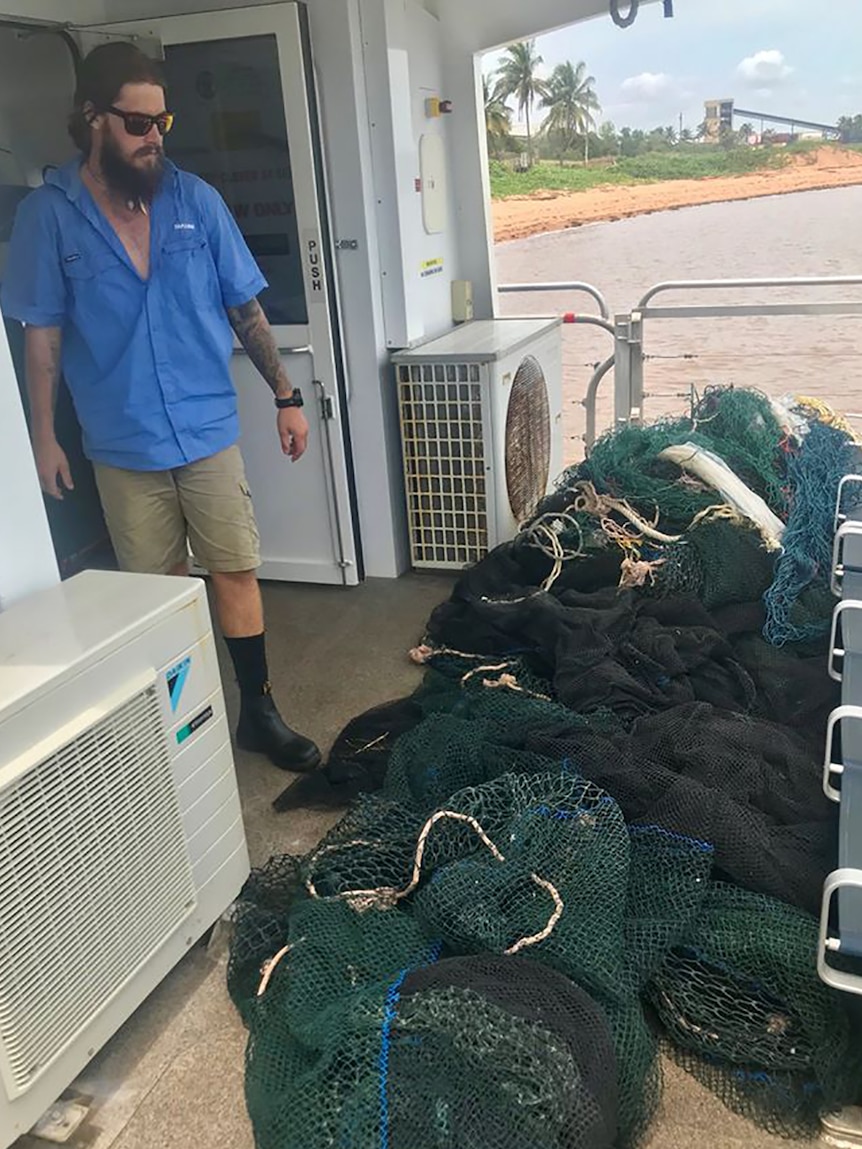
pixel 387 897
pixel 549 527
pixel 269 967
pixel 816 409
pixel 588 500
pixel 510 682
pixel 424 653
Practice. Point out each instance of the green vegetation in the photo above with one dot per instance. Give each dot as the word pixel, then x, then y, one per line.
pixel 851 129
pixel 569 135
pixel 696 162
pixel 518 76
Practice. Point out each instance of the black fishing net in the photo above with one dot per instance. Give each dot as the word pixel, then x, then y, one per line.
pixel 597 822
pixel 750 788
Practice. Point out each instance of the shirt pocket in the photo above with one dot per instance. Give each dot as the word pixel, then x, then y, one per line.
pixel 95 280
pixel 86 265
pixel 189 273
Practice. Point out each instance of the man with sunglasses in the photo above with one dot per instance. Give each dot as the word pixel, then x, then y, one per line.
pixel 131 277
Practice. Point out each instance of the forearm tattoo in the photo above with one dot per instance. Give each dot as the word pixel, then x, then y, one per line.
pixel 254 333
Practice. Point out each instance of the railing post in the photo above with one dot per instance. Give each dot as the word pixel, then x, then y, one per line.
pixel 628 368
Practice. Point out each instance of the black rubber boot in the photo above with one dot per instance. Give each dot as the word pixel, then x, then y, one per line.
pixel 262 730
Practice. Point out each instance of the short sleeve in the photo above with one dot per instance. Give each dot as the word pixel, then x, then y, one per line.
pixel 34 289
pixel 239 275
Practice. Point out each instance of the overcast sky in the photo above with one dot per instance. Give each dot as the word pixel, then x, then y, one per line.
pixel 791 57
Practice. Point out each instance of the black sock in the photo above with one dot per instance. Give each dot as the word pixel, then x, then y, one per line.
pixel 249 663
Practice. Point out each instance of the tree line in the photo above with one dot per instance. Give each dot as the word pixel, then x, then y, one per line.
pixel 568 97
pixel 851 129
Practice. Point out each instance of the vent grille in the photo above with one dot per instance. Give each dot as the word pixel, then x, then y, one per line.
pixel 528 440
pixel 444 463
pixel 94 877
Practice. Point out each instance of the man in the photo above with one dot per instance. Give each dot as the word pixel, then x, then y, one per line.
pixel 129 276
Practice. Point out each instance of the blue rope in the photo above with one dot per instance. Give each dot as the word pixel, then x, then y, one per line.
pixel 814 473
pixel 393 996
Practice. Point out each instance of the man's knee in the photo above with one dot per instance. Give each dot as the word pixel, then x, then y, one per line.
pixel 234 579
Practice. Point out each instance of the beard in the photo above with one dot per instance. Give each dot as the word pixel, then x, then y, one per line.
pixel 126 178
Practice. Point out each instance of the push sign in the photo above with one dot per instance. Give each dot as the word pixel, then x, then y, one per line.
pixel 315 266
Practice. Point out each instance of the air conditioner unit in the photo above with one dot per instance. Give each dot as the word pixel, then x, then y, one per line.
pixel 121 835
pixel 481 433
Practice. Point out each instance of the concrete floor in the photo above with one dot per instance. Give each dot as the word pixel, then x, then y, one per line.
pixel 173 1076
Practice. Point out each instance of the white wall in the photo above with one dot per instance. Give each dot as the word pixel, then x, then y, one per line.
pixel 27 561
pixel 402 53
pixel 33 118
pixel 33 128
pixel 339 66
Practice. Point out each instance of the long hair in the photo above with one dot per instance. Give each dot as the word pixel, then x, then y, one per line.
pixel 101 77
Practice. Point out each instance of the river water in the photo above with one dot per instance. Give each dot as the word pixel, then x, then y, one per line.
pixel 804 234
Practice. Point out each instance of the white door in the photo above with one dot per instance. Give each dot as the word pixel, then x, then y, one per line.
pixel 241 87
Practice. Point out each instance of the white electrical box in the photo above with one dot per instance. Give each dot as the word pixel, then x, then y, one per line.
pixel 121 834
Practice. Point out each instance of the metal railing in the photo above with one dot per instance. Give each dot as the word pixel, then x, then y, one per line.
pixel 627 328
pixel 573 285
pixel 601 320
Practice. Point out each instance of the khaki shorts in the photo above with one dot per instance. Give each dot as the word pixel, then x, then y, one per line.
pixel 153 516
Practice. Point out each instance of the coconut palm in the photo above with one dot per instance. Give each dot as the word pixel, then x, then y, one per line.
pixel 518 76
pixel 571 101
pixel 498 115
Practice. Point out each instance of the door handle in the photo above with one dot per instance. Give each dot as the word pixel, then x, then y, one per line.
pixel 305 349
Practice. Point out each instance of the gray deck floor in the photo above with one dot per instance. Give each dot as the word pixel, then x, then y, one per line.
pixel 173 1076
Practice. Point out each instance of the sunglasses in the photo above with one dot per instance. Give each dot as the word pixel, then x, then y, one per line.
pixel 139 124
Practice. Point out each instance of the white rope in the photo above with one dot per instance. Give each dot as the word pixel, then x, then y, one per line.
pixel 386 897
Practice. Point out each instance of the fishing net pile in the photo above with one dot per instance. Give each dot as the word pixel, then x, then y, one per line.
pixel 597 829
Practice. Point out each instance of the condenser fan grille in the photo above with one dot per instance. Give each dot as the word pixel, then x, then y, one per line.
pixel 528 439
pixel 443 438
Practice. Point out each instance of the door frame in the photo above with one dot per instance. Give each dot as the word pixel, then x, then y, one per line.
pixel 321 337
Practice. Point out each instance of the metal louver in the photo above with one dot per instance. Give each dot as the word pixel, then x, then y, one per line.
pixel 94 876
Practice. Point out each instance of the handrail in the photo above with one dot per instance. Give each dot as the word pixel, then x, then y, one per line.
pixel 746 284
pixel 573 285
pixel 589 401
pixel 590 321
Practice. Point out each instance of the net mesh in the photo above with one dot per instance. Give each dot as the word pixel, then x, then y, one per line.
pixel 597 825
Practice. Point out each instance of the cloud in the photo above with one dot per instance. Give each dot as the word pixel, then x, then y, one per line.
pixel 764 70
pixel 648 87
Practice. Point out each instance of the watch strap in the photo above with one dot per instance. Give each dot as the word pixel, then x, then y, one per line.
pixel 293 400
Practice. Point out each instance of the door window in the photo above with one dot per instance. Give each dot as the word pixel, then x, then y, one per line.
pixel 230 129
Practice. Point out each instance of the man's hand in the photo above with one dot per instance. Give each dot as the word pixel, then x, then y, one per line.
pixel 53 468
pixel 293 432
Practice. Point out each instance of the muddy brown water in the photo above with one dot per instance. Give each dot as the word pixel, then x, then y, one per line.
pixel 806 234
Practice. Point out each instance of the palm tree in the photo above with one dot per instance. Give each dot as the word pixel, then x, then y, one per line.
pixel 518 76
pixel 745 133
pixel 498 115
pixel 571 99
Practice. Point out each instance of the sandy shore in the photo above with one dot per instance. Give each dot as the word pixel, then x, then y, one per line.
pixel 520 216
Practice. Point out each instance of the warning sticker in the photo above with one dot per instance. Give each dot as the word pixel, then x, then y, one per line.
pixel 431 267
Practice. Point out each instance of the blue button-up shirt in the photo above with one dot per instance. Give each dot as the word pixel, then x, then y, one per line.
pixel 146 361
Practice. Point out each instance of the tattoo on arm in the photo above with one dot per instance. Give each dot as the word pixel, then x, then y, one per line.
pixel 254 333
pixel 43 349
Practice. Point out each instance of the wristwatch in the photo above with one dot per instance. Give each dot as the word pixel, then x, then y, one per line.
pixel 293 400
